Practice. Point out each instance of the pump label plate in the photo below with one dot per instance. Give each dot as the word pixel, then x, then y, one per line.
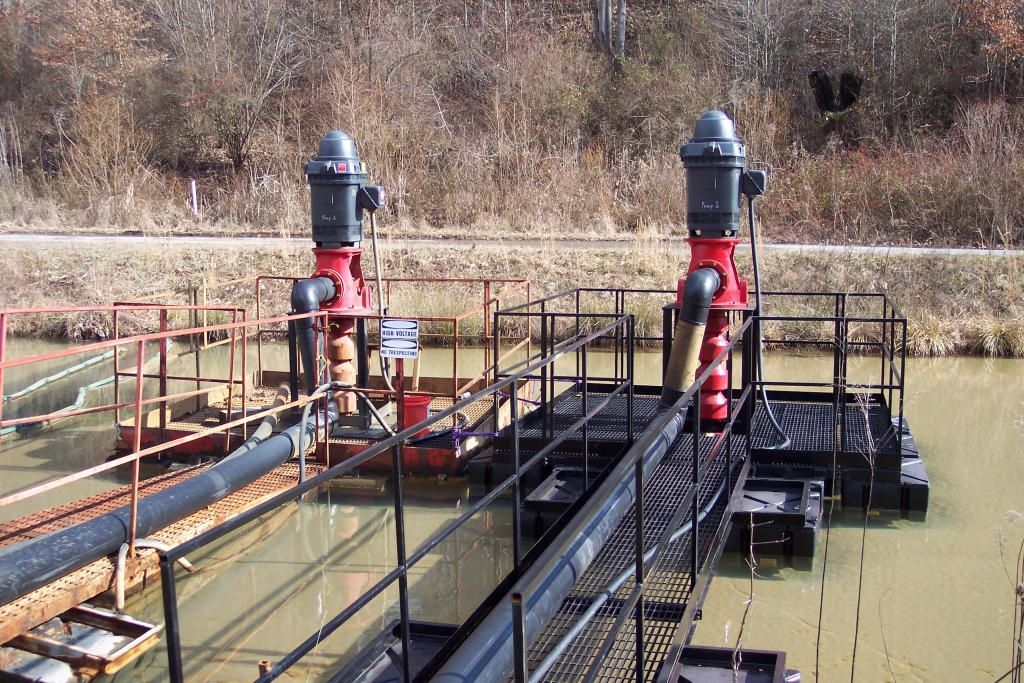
pixel 399 338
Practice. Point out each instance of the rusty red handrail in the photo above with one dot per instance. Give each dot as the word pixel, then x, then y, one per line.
pixel 197 331
pixel 151 336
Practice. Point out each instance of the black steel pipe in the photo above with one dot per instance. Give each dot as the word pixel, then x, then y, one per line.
pixel 487 654
pixel 32 564
pixel 307 295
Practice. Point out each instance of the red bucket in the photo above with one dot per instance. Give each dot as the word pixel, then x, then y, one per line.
pixel 416 409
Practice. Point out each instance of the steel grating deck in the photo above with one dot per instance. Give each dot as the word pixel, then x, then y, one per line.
pixel 669 584
pixel 263 396
pixel 210 416
pixel 609 424
pixel 477 414
pixel 809 427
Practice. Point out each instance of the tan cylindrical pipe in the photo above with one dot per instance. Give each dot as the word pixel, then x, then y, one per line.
pixel 341 351
pixel 683 360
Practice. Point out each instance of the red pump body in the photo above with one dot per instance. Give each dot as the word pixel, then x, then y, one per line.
pixel 343 266
pixel 352 299
pixel 716 253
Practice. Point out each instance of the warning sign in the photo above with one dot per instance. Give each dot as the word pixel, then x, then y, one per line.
pixel 399 338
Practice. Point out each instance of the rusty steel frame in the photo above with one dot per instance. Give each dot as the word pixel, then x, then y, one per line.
pixel 193 332
pixel 517 284
pixel 140 341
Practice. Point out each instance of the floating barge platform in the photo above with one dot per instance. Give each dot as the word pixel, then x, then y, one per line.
pixel 565 438
pixel 624 496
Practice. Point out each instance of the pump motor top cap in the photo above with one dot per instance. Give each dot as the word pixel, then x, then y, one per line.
pixel 713 136
pixel 337 145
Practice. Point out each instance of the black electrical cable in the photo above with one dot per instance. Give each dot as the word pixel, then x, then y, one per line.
pixel 757 312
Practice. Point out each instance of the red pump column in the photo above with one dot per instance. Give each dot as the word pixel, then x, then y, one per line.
pixel 352 299
pixel 714 162
pixel 716 254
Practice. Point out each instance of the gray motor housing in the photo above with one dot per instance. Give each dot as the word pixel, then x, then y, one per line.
pixel 335 178
pixel 714 162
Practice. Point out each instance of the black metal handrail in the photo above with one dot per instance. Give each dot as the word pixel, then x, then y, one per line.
pixel 395 444
pixel 893 338
pixel 633 605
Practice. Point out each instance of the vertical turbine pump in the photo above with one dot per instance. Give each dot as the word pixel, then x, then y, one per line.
pixel 714 160
pixel 338 196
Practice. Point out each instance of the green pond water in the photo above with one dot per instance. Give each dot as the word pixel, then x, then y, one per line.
pixel 936 603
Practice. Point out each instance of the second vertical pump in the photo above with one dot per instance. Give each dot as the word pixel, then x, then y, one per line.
pixel 714 160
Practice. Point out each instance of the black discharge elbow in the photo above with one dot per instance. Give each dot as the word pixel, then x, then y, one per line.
pixel 307 295
pixel 698 292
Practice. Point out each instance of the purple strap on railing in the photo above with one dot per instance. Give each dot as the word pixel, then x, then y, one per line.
pixel 457 435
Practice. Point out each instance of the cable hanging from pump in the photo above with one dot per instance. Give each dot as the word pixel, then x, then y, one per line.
pixel 757 313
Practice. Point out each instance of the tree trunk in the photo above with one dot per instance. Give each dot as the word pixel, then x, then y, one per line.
pixel 607 26
pixel 620 33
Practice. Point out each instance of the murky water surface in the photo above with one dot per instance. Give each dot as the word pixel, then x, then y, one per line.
pixel 935 604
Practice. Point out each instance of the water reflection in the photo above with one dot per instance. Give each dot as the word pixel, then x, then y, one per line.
pixel 260 593
pixel 936 602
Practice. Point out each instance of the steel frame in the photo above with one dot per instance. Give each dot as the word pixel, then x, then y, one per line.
pixel 892 340
pixel 139 342
pixel 406 561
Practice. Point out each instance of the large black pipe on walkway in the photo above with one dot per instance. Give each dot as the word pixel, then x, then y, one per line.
pixel 32 564
pixel 486 655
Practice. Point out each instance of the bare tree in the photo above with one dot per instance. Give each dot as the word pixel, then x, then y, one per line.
pixel 603 18
pixel 239 54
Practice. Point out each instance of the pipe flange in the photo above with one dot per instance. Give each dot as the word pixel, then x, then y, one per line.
pixel 723 274
pixel 339 285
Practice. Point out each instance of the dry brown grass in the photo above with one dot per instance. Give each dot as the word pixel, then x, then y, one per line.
pixel 494 120
pixel 955 305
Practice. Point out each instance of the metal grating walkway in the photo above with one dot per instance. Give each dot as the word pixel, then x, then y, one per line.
pixel 809 427
pixel 83 584
pixel 609 424
pixel 669 584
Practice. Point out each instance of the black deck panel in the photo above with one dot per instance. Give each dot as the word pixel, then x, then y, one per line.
pixel 809 426
pixel 609 424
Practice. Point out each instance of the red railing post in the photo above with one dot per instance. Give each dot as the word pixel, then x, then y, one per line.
pixel 245 336
pixel 455 358
pixel 487 324
pixel 195 341
pixel 136 446
pixel 3 345
pixel 117 371
pixel 163 373
pixel 259 334
pixel 231 379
